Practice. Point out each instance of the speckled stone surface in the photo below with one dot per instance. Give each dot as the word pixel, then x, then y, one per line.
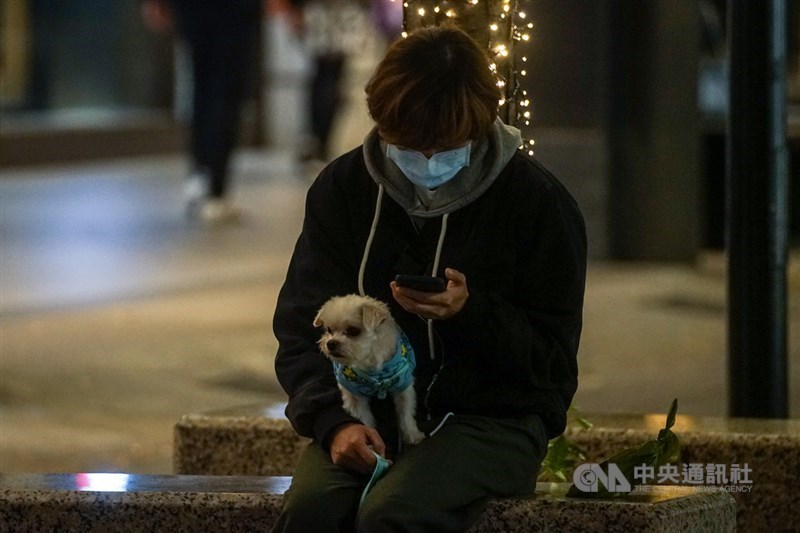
pixel 238 443
pixel 110 503
pixel 176 504
pixel 771 449
pixel 678 509
pixel 225 442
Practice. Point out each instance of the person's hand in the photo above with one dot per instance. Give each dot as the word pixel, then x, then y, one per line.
pixel 352 448
pixel 435 305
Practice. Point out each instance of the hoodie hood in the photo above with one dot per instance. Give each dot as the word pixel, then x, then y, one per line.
pixel 488 158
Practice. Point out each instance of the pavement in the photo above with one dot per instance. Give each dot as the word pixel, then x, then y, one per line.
pixel 118 314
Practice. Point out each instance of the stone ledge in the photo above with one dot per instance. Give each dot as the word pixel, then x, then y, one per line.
pixel 38 503
pixel 681 509
pixel 235 445
pixel 771 448
pixel 63 137
pixel 176 504
pixel 252 440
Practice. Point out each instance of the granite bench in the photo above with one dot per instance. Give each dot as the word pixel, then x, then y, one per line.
pixel 112 503
pixel 770 448
pixel 109 503
pixel 257 440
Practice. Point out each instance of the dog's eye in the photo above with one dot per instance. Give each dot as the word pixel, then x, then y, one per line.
pixel 352 331
pixel 329 330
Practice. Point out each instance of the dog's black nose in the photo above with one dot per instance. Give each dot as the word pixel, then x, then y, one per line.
pixel 332 345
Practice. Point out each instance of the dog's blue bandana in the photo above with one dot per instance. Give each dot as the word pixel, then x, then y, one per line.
pixel 395 375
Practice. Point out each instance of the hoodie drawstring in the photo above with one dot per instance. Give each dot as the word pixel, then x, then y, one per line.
pixel 372 231
pixel 368 246
pixel 439 245
pixel 433 274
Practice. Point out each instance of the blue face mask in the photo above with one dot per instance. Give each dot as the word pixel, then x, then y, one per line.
pixel 433 172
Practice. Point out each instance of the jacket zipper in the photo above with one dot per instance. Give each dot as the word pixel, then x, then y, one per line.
pixel 434 379
pixel 428 392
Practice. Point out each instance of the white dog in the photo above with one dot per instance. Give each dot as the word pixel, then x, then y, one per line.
pixel 371 358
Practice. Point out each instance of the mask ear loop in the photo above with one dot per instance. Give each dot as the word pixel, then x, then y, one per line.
pixel 381 466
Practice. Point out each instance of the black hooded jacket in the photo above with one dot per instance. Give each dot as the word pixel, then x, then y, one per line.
pixel 521 243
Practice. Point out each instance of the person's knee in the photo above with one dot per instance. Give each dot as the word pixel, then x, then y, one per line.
pixel 387 514
pixel 394 512
pixel 312 510
pixel 374 516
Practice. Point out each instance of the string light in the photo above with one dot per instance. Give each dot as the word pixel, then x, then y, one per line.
pixel 507 26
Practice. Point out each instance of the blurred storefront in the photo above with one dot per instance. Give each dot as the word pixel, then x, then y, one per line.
pixel 82 79
pixel 628 104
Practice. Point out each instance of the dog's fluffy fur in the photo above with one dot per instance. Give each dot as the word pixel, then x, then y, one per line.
pixel 361 333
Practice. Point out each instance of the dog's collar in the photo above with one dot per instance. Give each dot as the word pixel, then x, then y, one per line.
pixel 396 375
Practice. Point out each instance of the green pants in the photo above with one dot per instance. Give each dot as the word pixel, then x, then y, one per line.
pixel 442 484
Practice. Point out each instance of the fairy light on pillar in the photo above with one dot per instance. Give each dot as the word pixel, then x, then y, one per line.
pixel 500 26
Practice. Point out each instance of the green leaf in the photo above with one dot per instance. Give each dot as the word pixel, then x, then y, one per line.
pixel 673 411
pixel 664 449
pixel 584 423
pixel 563 454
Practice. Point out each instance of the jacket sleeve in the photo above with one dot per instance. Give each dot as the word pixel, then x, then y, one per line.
pixel 527 336
pixel 323 265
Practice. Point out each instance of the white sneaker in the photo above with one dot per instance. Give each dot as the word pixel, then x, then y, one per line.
pixel 219 211
pixel 195 187
pixel 195 190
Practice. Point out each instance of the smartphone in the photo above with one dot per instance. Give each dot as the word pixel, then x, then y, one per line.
pixel 421 283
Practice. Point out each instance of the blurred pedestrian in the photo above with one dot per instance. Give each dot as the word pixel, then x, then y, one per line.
pixel 222 36
pixel 332 31
pixel 387 17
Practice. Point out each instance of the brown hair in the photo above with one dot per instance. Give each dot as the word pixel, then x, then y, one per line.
pixel 433 89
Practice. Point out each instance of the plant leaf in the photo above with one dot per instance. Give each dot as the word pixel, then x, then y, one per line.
pixel 664 449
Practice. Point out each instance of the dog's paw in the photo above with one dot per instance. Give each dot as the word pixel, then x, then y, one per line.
pixel 413 436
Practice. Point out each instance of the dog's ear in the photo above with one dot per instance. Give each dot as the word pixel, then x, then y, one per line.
pixel 318 320
pixel 374 313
